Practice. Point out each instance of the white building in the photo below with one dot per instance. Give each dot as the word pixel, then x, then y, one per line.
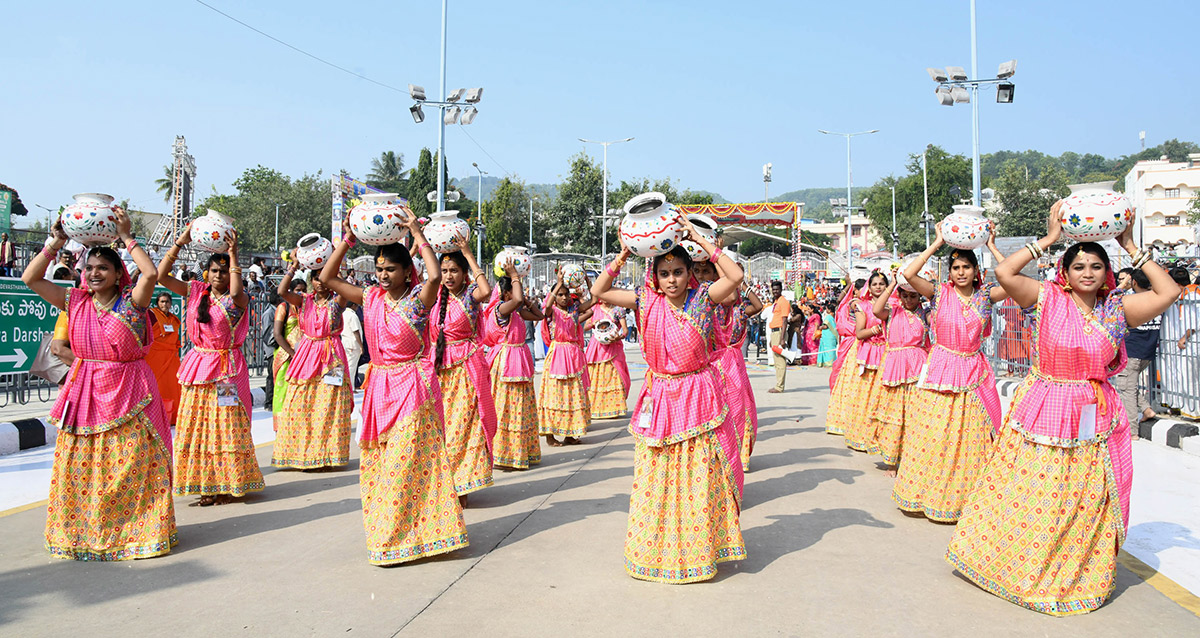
pixel 866 238
pixel 1161 193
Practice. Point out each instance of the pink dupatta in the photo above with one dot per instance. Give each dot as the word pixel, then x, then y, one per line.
pixel 216 354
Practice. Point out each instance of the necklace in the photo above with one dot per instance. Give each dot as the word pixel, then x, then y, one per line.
pixel 105 305
pixel 1088 313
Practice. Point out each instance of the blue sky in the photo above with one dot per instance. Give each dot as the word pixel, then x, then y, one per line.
pixel 94 93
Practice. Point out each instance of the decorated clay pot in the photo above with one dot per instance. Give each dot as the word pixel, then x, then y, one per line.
pixel 211 232
pixel 705 226
pixel 1094 212
pixel 650 227
pixel 966 228
pixel 443 227
pixel 605 331
pixel 516 256
pixel 312 251
pixel 90 220
pixel 574 279
pixel 928 272
pixel 379 219
pixel 695 251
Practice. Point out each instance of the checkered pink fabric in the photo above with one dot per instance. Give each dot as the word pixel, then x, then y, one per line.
pixel 217 355
pixel 110 377
pixel 597 352
pixel 464 347
pixel 565 336
pixel 845 330
pixel 955 361
pixel 401 377
pixel 320 345
pixel 1073 359
pixel 905 346
pixel 509 346
pixel 871 349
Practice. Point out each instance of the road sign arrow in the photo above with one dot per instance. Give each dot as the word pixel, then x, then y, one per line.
pixel 18 360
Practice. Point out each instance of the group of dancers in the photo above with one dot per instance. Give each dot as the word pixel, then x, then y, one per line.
pixel 449 395
pixel 1041 498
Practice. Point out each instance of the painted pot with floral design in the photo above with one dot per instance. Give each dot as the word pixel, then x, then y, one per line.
pixel 379 219
pixel 211 232
pixel 1095 212
pixel 605 331
pixel 966 228
pixel 651 226
pixel 575 279
pixel 443 227
pixel 91 220
pixel 312 251
pixel 516 256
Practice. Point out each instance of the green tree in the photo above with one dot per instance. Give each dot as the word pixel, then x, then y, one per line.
pixel 505 218
pixel 1026 200
pixel 421 180
pixel 945 172
pixel 569 219
pixel 166 183
pixel 387 172
pixel 304 207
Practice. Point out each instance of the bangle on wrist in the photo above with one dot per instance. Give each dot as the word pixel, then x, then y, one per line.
pixel 424 245
pixel 350 242
pixel 716 255
pixel 48 252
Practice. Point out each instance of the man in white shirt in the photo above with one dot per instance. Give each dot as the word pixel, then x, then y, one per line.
pixel 352 341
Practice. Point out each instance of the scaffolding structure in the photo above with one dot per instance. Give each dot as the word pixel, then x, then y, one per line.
pixel 169 226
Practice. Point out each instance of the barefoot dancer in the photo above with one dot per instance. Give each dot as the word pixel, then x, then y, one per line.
pixel 516 444
pixel 110 487
pixel 563 407
pixel 409 506
pixel 462 370
pixel 313 430
pixel 214 453
pixel 687 477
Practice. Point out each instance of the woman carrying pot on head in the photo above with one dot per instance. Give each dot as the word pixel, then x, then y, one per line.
pixel 287 335
pixel 511 364
pixel 687 482
pixel 110 487
pixel 956 409
pixel 902 363
pixel 608 372
pixel 163 355
pixel 410 509
pixel 563 406
pixel 462 370
pixel 865 386
pixel 313 428
pixel 840 414
pixel 214 452
pixel 1043 526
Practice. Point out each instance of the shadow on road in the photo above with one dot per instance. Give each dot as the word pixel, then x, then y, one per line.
pixel 802 455
pixel 789 533
pixel 527 524
pixel 504 494
pixel 1157 536
pixel 230 528
pixel 759 492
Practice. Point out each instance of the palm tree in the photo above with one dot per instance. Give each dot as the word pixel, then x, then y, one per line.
pixel 387 170
pixel 166 184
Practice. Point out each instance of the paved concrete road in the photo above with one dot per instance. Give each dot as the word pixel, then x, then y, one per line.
pixel 828 555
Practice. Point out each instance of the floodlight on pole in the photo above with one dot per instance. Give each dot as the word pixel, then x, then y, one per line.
pixel 603 195
pixel 956 73
pixel 416 92
pixel 944 97
pixel 468 115
pixel 1004 92
pixel 455 95
pixel 1007 69
pixel 937 75
pixel 417 114
pixel 474 95
pixel 960 95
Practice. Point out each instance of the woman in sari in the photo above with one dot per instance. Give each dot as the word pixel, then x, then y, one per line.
pixel 865 384
pixel 1043 526
pixel 608 373
pixel 110 487
pixel 516 444
pixel 811 333
pixel 563 406
pixel 956 409
pixel 313 428
pixel 410 509
pixel 902 363
pixel 214 452
pixel 462 370
pixel 687 478
pixel 287 335
pixel 840 414
pixel 828 345
pixel 163 356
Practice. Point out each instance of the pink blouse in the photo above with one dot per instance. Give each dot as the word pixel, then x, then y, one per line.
pixel 216 354
pixel 562 331
pixel 399 380
pixel 320 346
pixel 905 346
pixel 510 350
pixel 957 330
pixel 871 349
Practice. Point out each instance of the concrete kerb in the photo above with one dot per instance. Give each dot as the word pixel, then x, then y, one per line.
pixel 1168 432
pixel 26 434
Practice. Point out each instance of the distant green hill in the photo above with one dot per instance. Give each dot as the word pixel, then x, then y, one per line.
pixel 816 200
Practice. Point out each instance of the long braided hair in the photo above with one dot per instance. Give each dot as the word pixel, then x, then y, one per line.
pixel 202 311
pixel 459 260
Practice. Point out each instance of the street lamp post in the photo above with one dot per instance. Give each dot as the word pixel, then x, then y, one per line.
pixel 49 216
pixel 767 183
pixel 479 216
pixel 603 196
pixel 531 244
pixel 925 176
pixel 277 226
pixel 849 197
pixel 895 235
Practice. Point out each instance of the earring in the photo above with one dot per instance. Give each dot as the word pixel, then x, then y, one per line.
pixel 1067 287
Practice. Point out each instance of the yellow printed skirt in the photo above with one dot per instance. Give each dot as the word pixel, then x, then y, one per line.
pixel 862 401
pixel 683 512
pixel 749 435
pixel 841 413
pixel 516 443
pixel 214 452
pixel 410 509
pixel 947 441
pixel 110 495
pixel 314 426
pixel 606 392
pixel 466 440
pixel 895 405
pixel 563 407
pixel 1043 527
